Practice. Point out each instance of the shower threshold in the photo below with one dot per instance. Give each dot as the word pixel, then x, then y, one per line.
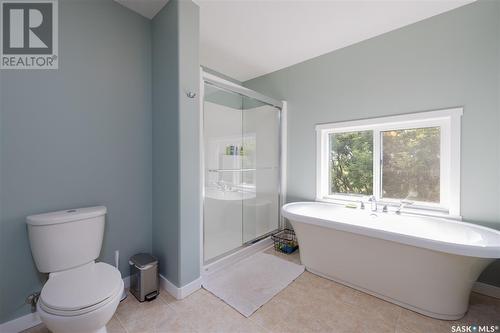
pixel 236 255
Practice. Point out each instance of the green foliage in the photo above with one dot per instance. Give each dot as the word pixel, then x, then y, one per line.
pixel 411 164
pixel 351 163
pixel 410 168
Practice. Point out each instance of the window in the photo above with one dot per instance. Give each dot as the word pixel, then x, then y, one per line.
pixel 351 162
pixel 414 157
pixel 411 164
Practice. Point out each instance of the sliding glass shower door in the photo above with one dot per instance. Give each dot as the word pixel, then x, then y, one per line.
pixel 241 157
pixel 261 132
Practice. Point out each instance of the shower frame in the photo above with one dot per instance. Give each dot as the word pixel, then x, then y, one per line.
pixel 281 107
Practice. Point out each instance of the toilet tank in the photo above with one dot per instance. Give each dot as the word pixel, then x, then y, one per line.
pixel 66 239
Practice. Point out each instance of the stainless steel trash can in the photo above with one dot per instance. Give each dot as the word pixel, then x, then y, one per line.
pixel 144 284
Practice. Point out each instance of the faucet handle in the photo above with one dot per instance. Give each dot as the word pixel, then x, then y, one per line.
pixel 385 209
pixel 361 204
pixel 402 204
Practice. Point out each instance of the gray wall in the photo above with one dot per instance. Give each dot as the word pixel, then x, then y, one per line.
pixel 449 60
pixel 78 136
pixel 176 213
pixel 166 140
pixel 189 130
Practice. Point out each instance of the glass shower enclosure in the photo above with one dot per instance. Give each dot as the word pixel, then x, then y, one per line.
pixel 242 172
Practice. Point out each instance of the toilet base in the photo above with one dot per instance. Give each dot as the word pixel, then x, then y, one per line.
pixel 90 322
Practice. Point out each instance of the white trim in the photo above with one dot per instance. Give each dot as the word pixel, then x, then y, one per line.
pixel 126 286
pixel 180 292
pixel 486 289
pixel 412 210
pixel 202 168
pixel 448 120
pixel 232 258
pixel 20 324
pixel 32 319
pixel 284 158
pixel 126 282
pixel 377 160
pixel 455 161
pixel 389 120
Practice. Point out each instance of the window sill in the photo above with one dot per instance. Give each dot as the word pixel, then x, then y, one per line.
pixel 392 209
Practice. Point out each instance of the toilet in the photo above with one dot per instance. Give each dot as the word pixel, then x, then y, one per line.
pixel 81 295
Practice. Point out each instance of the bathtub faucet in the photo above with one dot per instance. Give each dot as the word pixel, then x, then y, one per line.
pixel 403 204
pixel 373 203
pixel 361 204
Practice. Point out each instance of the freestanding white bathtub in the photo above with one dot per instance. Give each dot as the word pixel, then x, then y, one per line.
pixel 425 264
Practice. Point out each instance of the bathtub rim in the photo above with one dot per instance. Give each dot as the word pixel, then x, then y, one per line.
pixel 488 252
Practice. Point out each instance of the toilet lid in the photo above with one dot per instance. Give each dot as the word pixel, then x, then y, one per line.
pixel 81 287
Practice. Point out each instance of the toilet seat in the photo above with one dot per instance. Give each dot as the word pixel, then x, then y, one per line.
pixel 80 290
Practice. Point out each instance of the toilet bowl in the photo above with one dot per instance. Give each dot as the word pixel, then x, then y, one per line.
pixel 81 295
pixel 81 300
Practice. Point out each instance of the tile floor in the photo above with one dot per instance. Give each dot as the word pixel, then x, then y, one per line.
pixel 309 304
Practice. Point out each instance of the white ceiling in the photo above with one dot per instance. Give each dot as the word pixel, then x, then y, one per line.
pixel 248 38
pixel 147 8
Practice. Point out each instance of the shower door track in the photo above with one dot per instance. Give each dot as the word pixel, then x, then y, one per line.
pixel 236 88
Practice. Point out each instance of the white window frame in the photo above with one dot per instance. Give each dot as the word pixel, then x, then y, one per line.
pixel 449 121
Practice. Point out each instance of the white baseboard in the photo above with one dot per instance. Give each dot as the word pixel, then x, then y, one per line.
pixel 486 289
pixel 32 319
pixel 126 282
pixel 179 292
pixel 21 323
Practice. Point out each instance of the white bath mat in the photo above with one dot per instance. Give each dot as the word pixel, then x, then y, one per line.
pixel 252 282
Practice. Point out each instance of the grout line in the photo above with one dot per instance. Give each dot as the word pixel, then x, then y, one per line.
pixel 396 325
pixel 120 322
pixel 171 307
pixel 179 314
pixel 266 329
pixel 115 314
